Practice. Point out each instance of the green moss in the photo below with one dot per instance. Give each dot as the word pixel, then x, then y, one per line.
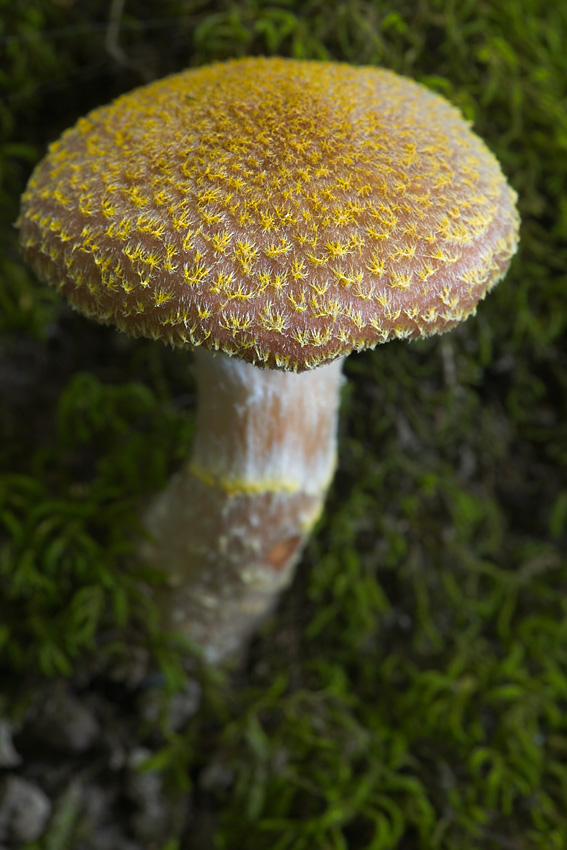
pixel 68 522
pixel 411 690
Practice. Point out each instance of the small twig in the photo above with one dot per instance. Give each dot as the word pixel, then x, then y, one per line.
pixel 450 367
pixel 112 41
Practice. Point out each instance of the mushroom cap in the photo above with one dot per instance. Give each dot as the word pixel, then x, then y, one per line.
pixel 285 212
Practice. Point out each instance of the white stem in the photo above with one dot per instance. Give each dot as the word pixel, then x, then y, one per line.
pixel 230 527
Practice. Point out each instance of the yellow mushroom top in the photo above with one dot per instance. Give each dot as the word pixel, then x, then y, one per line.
pixel 284 212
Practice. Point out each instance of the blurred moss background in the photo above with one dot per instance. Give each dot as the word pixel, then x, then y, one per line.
pixel 411 691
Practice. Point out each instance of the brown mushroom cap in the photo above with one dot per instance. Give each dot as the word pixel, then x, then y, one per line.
pixel 285 212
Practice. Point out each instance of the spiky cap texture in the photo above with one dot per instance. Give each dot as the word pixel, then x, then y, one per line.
pixel 285 212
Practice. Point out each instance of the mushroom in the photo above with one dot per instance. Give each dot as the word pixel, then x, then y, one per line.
pixel 274 215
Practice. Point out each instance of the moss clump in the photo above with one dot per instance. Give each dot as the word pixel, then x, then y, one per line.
pixel 68 519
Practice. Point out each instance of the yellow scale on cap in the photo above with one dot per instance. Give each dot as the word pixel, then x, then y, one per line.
pixel 284 212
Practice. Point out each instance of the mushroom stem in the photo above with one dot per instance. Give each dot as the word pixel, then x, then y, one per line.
pixel 230 527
